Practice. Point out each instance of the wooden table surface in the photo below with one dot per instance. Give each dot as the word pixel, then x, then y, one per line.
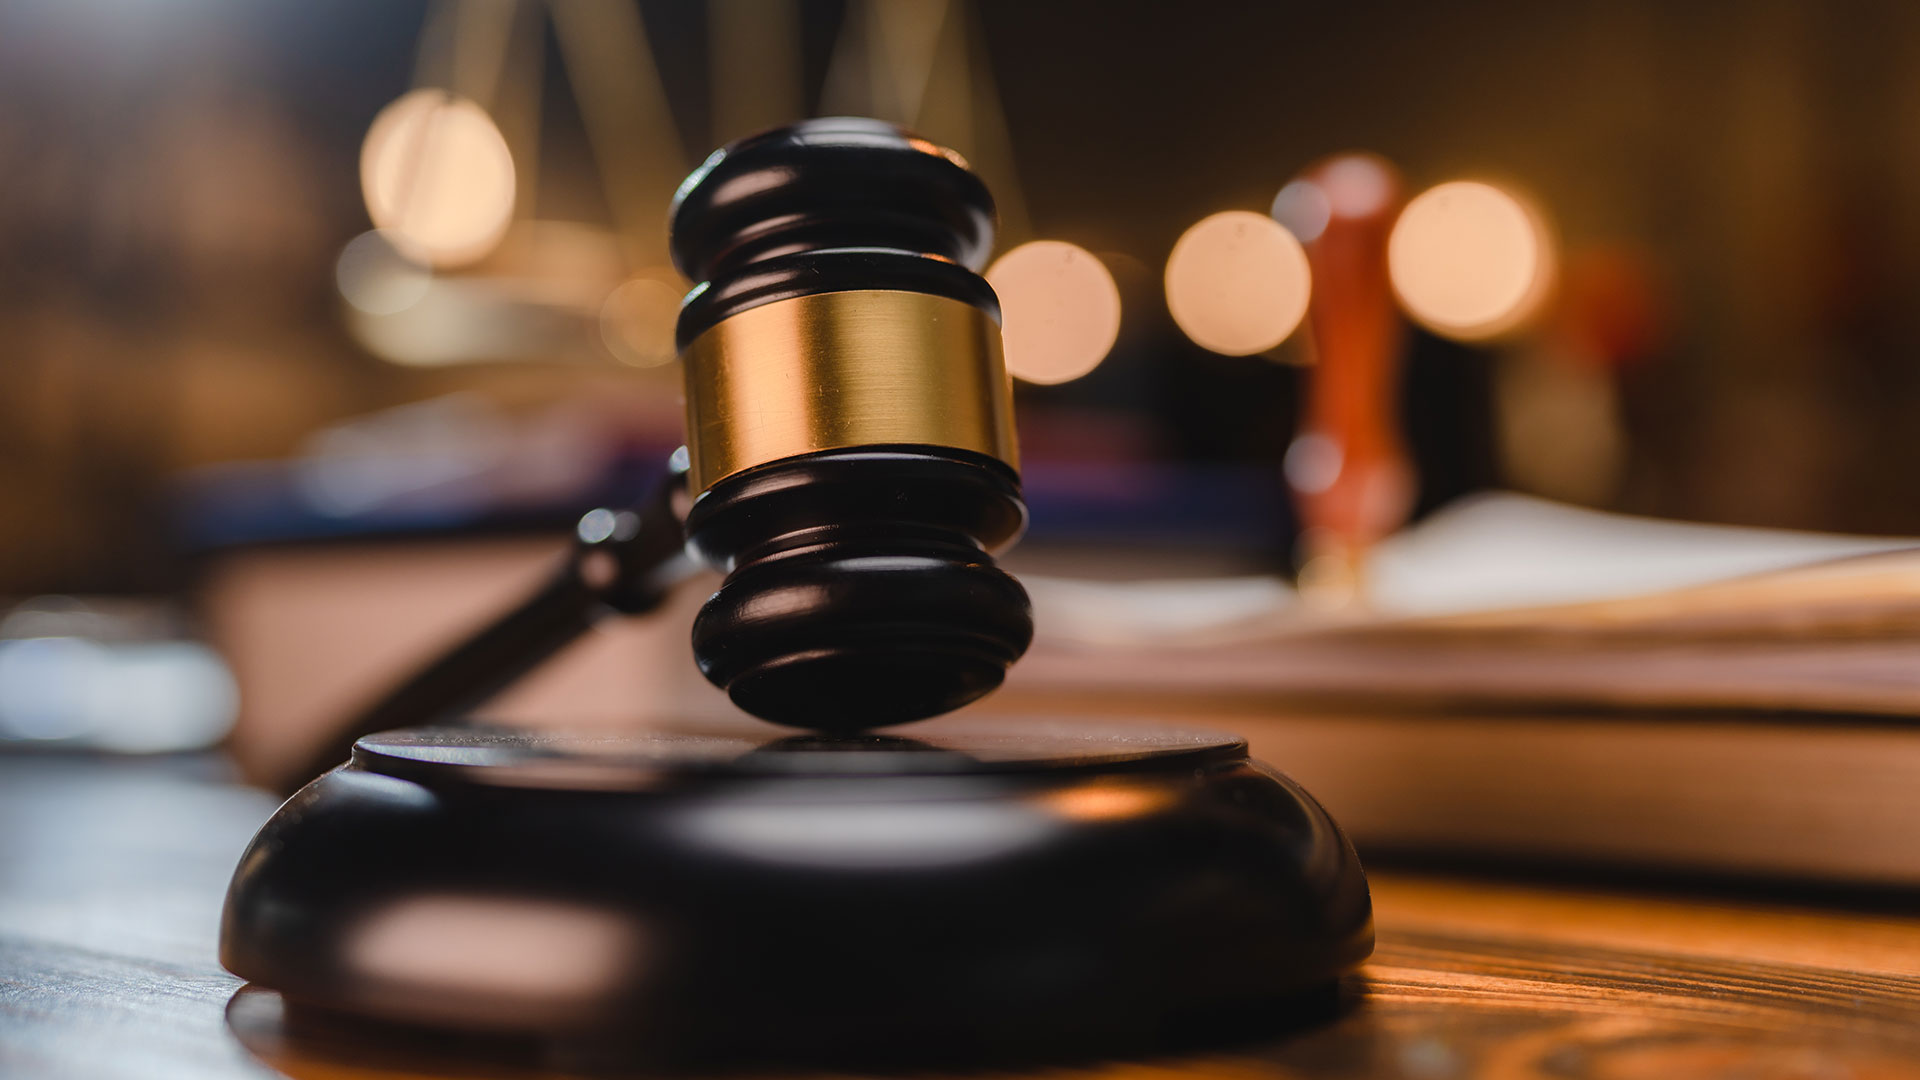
pixel 112 872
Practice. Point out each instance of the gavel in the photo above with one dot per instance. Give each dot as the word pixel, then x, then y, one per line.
pixel 851 458
pixel 850 433
pixel 979 889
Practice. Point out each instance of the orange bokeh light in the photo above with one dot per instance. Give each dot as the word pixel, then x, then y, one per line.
pixel 1469 260
pixel 1237 283
pixel 1060 310
pixel 438 178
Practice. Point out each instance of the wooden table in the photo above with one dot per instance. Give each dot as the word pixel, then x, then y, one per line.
pixel 111 876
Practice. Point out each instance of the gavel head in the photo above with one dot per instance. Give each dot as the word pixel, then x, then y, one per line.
pixel 849 427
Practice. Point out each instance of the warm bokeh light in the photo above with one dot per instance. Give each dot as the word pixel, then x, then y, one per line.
pixel 1059 307
pixel 637 321
pixel 1469 260
pixel 377 278
pixel 1237 283
pixel 438 178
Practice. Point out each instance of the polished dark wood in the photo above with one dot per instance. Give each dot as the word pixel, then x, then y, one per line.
pixel 861 591
pixel 861 584
pixel 111 876
pixel 988 890
pixel 829 204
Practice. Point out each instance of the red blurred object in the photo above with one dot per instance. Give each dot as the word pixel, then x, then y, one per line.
pixel 1349 468
pixel 1612 309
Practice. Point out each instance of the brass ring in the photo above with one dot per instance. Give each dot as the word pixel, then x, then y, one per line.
pixel 845 369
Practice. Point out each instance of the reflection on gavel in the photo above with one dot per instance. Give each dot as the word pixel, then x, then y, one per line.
pixel 1348 468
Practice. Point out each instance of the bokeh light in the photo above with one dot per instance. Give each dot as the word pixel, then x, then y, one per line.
pixel 1237 283
pixel 1357 185
pixel 438 178
pixel 637 321
pixel 376 277
pixel 1348 186
pixel 1304 209
pixel 1469 261
pixel 1059 307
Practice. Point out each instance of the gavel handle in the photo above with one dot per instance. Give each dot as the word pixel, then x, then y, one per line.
pixel 622 562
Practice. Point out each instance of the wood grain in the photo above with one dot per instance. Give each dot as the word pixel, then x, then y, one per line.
pixel 110 878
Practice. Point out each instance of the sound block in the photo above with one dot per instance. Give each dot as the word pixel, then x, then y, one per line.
pixel 987 889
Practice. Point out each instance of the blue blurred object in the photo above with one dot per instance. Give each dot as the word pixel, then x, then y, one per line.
pixel 111 675
pixel 1237 507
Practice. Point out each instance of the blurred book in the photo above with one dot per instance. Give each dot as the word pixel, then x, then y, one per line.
pixel 1518 602
pixel 1538 683
pixel 1826 799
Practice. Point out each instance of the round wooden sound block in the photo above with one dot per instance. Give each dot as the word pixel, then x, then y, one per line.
pixel 984 889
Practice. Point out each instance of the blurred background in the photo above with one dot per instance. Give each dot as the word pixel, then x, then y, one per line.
pixel 280 276
pixel 1735 187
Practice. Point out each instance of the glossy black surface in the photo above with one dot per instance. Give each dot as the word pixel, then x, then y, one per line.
pixel 861 587
pixel 807 273
pixel 829 205
pixel 830 182
pixel 860 591
pixel 989 890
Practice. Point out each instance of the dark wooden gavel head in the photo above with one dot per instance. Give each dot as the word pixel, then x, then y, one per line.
pixel 849 427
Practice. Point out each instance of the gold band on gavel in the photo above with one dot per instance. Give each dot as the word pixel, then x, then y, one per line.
pixel 845 369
